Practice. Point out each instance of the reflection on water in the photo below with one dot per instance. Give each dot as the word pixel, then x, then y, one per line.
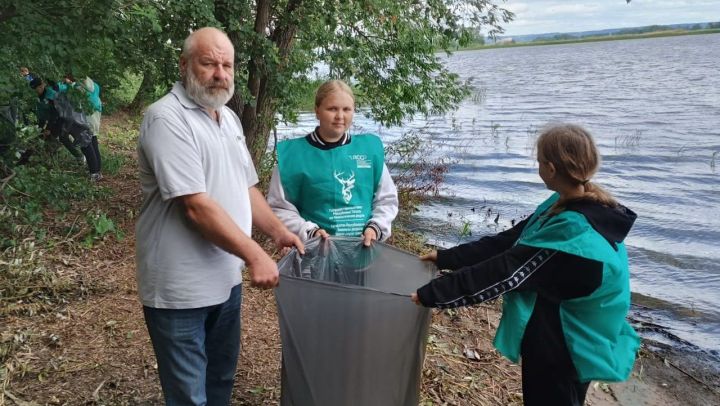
pixel 654 108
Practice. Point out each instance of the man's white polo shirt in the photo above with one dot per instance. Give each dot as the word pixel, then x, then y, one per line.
pixel 182 151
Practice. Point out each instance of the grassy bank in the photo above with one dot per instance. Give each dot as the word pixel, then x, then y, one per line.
pixel 659 34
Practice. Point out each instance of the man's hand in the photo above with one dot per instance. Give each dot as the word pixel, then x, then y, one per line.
pixel 414 297
pixel 432 256
pixel 369 236
pixel 263 272
pixel 286 239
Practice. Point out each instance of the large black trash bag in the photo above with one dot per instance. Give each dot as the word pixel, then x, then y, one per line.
pixel 350 334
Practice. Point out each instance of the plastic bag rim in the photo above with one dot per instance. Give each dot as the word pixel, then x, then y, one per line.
pixel 328 283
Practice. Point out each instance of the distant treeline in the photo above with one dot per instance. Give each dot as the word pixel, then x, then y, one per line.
pixel 628 31
pixel 650 31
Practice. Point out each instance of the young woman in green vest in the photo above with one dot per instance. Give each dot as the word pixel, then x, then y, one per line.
pixel 332 183
pixel 563 274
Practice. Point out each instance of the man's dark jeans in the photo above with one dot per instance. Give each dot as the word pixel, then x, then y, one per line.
pixel 197 351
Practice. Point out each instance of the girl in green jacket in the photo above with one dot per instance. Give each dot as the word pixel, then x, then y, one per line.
pixel 563 274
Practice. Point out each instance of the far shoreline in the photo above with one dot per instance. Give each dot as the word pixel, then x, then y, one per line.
pixel 658 34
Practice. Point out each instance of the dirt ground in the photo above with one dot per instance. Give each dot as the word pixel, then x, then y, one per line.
pixel 95 350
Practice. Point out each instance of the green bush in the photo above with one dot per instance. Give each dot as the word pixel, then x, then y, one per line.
pixel 418 175
pixel 34 192
pixel 100 227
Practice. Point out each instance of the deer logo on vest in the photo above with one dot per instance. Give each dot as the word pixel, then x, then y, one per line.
pixel 347 185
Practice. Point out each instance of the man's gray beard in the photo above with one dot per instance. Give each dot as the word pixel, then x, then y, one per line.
pixel 202 95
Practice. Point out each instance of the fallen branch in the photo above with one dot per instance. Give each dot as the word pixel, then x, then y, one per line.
pixel 7 179
pixel 96 392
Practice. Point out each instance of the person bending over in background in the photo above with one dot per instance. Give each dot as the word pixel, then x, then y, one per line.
pixel 92 90
pixel 60 118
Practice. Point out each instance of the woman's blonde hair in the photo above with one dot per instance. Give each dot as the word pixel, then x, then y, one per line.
pixel 572 151
pixel 329 87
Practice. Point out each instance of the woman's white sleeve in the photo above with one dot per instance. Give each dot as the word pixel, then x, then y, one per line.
pixel 385 205
pixel 286 211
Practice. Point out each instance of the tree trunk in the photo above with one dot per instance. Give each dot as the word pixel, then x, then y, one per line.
pixel 226 15
pixel 236 104
pixel 257 115
pixel 251 119
pixel 144 90
pixel 266 103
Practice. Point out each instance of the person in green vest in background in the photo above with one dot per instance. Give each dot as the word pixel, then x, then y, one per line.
pixel 563 273
pixel 92 90
pixel 49 119
pixel 332 183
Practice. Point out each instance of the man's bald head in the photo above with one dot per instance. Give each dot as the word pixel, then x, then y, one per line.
pixel 207 68
pixel 206 37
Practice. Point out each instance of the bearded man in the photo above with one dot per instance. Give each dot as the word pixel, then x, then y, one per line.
pixel 193 232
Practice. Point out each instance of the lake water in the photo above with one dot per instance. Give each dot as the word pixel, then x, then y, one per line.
pixel 653 106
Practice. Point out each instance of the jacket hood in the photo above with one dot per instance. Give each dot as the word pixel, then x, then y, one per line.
pixel 613 223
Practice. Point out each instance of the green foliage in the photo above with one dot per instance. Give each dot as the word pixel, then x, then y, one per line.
pixel 643 30
pixel 79 100
pixel 387 49
pixel 35 192
pixel 100 227
pixel 417 173
pixel 120 136
pixel 561 37
pixel 36 202
pixel 123 94
pixel 19 140
pixel 111 162
pixel 465 229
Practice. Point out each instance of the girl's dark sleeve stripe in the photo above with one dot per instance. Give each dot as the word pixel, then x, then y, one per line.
pixel 516 278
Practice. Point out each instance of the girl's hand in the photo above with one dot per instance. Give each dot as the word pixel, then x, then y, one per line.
pixel 369 236
pixel 322 233
pixel 415 299
pixel 432 256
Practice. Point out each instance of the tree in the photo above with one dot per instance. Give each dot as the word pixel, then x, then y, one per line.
pixel 386 48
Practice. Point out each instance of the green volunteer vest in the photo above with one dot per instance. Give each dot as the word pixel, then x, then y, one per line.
pixel 601 343
pixel 333 188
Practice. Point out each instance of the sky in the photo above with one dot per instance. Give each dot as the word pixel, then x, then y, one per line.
pixel 544 16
